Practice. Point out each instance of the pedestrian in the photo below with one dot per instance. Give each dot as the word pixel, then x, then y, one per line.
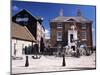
pixel 26 50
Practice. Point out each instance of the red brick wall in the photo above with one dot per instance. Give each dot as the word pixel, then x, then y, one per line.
pixel 66 27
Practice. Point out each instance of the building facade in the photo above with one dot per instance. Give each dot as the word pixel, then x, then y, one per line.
pixel 22 40
pixel 34 25
pixel 71 31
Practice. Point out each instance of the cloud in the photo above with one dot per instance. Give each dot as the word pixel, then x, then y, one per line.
pixel 15 8
pixel 47 34
pixel 93 30
pixel 46 31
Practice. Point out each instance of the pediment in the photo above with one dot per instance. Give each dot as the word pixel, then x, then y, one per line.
pixel 71 19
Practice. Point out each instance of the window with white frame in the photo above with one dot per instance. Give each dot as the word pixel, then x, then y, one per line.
pixel 83 35
pixel 59 25
pixel 59 35
pixel 83 26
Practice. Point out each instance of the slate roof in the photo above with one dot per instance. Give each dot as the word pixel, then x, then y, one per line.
pixel 68 19
pixel 24 11
pixel 21 32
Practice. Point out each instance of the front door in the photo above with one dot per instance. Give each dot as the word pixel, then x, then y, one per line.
pixel 73 47
pixel 72 36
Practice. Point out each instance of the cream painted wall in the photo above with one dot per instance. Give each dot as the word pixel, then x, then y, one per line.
pixel 74 32
pixel 40 33
pixel 20 44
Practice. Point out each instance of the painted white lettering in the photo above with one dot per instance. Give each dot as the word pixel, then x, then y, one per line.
pixel 22 19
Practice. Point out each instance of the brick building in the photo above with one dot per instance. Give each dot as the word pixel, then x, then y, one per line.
pixel 71 30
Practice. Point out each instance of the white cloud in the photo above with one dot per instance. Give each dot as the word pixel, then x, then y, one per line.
pixel 93 30
pixel 47 31
pixel 15 8
pixel 47 34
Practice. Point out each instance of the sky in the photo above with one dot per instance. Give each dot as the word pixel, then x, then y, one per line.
pixel 49 11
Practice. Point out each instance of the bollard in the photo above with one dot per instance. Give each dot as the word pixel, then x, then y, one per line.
pixel 27 62
pixel 63 63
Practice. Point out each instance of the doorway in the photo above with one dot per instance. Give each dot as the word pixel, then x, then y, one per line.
pixel 73 47
pixel 71 38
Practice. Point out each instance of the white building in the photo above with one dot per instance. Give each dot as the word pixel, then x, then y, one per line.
pixel 40 36
pixel 21 38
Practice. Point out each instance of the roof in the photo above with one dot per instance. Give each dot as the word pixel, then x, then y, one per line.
pixel 38 18
pixel 68 19
pixel 21 32
pixel 24 11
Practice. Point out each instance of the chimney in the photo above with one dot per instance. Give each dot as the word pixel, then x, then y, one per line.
pixel 61 12
pixel 78 12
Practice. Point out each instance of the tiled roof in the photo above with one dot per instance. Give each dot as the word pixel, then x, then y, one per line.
pixel 21 32
pixel 67 19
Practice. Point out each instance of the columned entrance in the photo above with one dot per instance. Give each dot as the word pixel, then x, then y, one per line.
pixel 72 36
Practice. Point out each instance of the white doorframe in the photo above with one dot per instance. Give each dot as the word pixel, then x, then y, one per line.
pixel 74 33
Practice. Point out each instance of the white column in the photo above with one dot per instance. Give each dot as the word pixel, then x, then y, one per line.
pixel 74 33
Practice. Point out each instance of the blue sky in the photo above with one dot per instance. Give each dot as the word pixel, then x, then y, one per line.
pixel 51 10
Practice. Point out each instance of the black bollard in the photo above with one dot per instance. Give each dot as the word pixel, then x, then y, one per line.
pixel 27 62
pixel 63 63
